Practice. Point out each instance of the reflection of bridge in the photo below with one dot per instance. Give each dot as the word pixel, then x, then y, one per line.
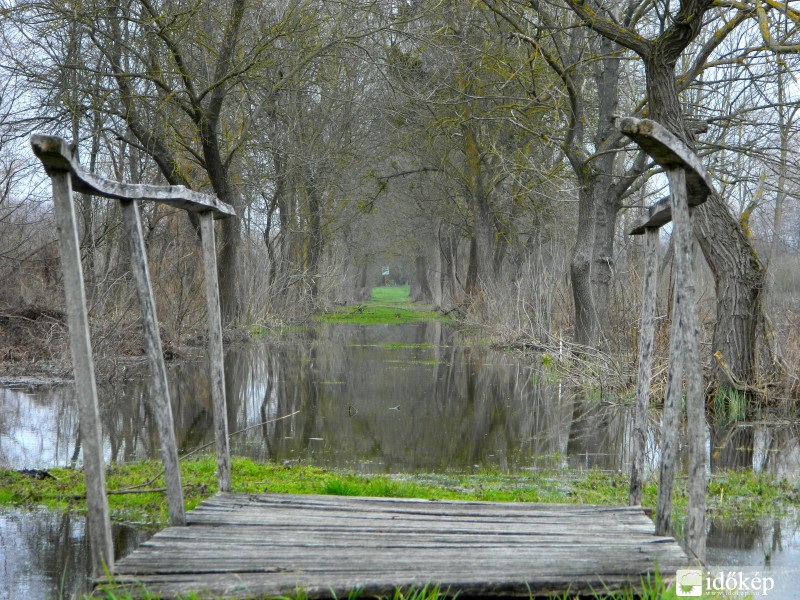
pixel 238 545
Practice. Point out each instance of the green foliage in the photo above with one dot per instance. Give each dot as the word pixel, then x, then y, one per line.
pixel 395 294
pixel 730 406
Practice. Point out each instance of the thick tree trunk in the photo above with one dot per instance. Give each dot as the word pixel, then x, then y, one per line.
pixel 739 281
pixel 738 274
pixel 591 268
pixel 422 290
pixel 314 242
pixel 587 322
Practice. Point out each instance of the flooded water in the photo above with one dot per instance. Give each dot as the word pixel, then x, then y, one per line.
pixel 375 399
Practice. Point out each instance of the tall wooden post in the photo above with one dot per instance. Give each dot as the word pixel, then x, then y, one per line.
pixel 160 390
pixel 215 352
pixel 645 374
pixel 98 519
pixel 670 415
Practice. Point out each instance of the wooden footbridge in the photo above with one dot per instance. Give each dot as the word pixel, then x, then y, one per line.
pixel 259 546
pixel 240 546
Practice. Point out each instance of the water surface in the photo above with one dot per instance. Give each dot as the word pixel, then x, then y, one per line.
pixel 374 399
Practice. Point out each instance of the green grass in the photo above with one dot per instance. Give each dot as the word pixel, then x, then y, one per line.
pixel 389 304
pixel 741 494
pixel 653 587
pixel 392 294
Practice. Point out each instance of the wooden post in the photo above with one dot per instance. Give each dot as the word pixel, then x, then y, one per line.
pixel 215 352
pixel 162 408
pixel 645 373
pixel 694 533
pixel 684 355
pixel 98 519
pixel 670 415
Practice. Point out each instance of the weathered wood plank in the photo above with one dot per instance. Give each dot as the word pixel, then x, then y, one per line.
pixel 658 214
pixel 331 545
pixel 669 151
pixel 58 156
pixel 644 374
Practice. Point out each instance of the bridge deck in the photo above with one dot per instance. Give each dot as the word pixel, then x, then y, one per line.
pixel 238 545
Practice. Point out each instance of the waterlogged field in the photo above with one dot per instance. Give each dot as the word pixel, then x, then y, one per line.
pixel 379 399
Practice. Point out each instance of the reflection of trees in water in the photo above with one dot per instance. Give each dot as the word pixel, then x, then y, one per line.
pixel 429 404
pixel 50 557
pixel 759 541
pixel 38 428
pixel 774 448
pixel 597 434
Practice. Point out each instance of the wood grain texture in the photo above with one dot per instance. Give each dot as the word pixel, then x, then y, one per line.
pixel 216 357
pixel 98 516
pixel 667 150
pixel 238 545
pixel 57 156
pixel 644 374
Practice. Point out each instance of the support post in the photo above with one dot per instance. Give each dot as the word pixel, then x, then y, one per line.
pixel 215 351
pixel 162 407
pixel 645 373
pixel 683 355
pixel 98 519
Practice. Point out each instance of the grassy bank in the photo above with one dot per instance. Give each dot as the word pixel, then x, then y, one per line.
pixel 136 490
pixel 387 305
pixel 136 495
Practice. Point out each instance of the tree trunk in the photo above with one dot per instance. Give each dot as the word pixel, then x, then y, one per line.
pixel 738 274
pixel 422 290
pixel 738 281
pixel 591 268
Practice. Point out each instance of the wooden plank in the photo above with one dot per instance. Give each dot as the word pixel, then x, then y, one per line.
pixel 162 408
pixel 215 352
pixel 669 151
pixel 658 214
pixel 58 156
pixel 328 545
pixel 99 522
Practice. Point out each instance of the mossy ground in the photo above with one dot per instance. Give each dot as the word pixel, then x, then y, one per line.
pixel 742 495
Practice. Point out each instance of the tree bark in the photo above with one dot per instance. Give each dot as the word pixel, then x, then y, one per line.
pixel 422 290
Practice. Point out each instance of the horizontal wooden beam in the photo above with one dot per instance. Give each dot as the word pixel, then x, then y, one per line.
pixel 670 152
pixel 58 156
pixel 658 214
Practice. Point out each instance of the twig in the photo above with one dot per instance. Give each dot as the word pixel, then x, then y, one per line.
pixel 204 446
